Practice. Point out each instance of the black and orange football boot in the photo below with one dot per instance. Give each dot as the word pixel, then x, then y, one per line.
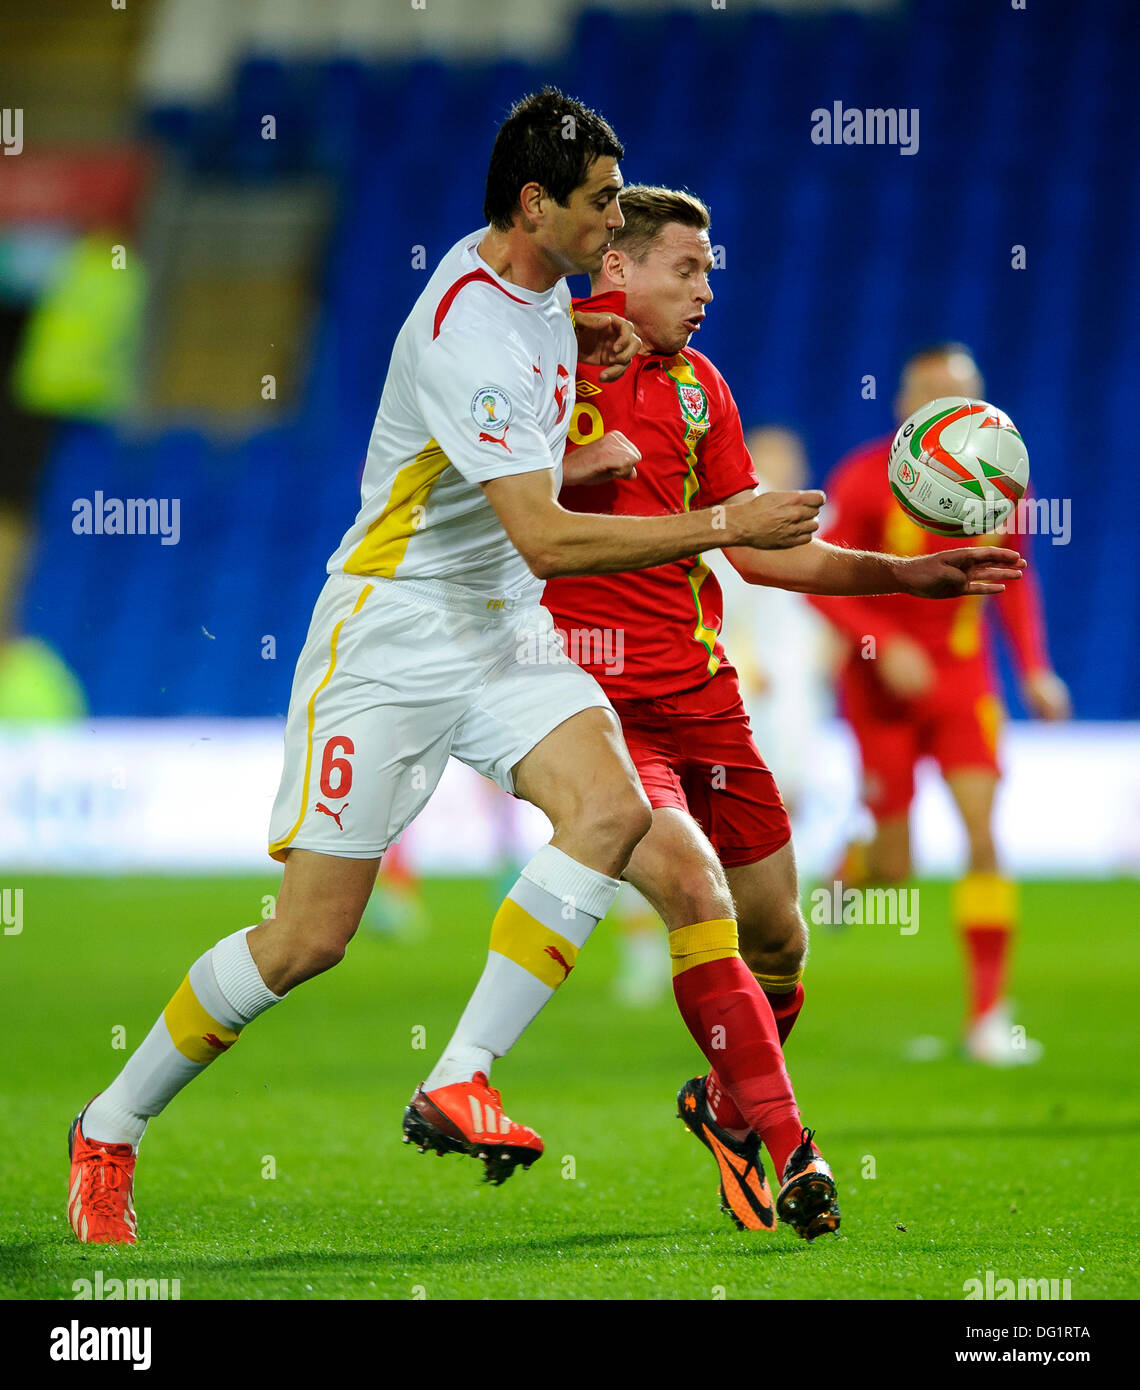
pixel 467 1118
pixel 744 1193
pixel 807 1200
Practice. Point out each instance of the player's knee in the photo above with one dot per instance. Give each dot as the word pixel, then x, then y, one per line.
pixel 301 956
pixel 694 892
pixel 619 822
pixel 778 945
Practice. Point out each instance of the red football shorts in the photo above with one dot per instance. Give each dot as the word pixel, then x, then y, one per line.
pixel 957 725
pixel 695 752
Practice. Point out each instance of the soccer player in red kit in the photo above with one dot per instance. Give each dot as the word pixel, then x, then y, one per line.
pixel 918 680
pixel 717 863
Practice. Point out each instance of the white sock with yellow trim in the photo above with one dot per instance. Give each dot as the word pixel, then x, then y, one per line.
pixel 543 923
pixel 221 994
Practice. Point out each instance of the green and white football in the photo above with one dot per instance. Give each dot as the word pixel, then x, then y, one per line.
pixel 958 467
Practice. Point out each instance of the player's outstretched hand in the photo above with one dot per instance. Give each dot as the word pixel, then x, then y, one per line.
pixel 954 573
pixel 778 520
pixel 608 458
pixel 606 340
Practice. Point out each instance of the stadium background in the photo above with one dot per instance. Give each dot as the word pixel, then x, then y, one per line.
pixel 296 258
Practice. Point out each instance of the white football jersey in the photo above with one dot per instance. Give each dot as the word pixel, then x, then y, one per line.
pixel 480 386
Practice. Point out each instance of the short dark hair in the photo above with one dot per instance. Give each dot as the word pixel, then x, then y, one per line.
pixel 647 209
pixel 549 139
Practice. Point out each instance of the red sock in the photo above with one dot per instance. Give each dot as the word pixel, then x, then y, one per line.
pixel 985 909
pixel 786 1009
pixel 987 949
pixel 722 1107
pixel 732 1023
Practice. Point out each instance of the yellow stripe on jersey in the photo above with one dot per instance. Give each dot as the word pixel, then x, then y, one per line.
pixel 702 632
pixel 386 541
pixel 522 938
pixel 278 846
pixel 682 373
pixel 965 638
pixel 194 1032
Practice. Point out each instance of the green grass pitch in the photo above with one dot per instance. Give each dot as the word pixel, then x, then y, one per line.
pixel 945 1170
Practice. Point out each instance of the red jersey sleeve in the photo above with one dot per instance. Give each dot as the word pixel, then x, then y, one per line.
pixel 1021 616
pixel 725 463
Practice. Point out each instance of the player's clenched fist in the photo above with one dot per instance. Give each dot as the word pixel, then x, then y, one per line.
pixel 778 520
pixel 612 456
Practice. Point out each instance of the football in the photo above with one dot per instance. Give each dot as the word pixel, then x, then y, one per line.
pixel 958 467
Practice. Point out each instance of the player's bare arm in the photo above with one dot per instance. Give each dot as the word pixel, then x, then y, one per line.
pixel 822 568
pixel 554 541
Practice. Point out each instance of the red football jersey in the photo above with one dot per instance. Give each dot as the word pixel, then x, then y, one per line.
pixel 863 514
pixel 652 632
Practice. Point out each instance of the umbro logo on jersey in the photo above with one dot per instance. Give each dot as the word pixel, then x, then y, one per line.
pixel 586 388
pixel 485 438
pixel 334 815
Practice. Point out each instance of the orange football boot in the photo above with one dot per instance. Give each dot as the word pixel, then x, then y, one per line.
pixel 467 1117
pixel 807 1200
pixel 744 1192
pixel 100 1203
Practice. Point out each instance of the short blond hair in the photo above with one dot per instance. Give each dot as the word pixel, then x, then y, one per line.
pixel 647 209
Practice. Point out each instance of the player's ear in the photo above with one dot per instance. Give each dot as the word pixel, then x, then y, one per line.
pixel 613 265
pixel 531 198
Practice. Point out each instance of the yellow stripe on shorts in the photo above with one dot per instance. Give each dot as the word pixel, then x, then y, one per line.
pixel 193 1032
pixel 278 845
pixel 522 938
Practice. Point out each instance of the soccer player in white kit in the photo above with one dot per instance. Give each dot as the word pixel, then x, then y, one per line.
pixel 428 640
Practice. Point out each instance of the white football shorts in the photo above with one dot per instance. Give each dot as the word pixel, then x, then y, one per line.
pixel 396 676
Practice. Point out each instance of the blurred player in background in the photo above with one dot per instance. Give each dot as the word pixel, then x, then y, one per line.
pixel 918 680
pixel 717 863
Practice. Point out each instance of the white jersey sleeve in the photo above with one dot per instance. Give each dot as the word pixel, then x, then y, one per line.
pixel 478 400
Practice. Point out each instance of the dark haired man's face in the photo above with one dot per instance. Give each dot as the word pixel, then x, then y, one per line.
pixel 575 237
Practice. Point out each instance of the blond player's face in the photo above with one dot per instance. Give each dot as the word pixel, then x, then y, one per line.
pixel 578 235
pixel 667 293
